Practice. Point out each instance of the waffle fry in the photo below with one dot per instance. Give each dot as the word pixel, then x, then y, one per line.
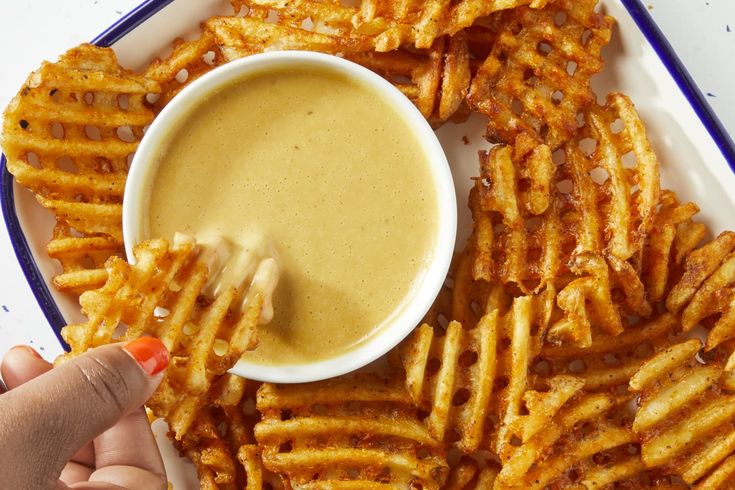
pixel 68 137
pixel 673 235
pixel 349 432
pixel 468 475
pixel 583 445
pixel 188 61
pixel 609 362
pixel 705 293
pixel 421 23
pixel 686 422
pixel 531 216
pixel 452 377
pixel 329 18
pixel 220 441
pixel 536 79
pixel 243 36
pixel 164 295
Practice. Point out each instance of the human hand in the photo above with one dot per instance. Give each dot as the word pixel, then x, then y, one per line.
pixel 81 425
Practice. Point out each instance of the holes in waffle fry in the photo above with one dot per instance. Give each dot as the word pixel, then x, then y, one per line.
pixel 209 57
pixel 586 37
pixel 125 133
pixel 559 157
pixel 66 164
pixel 88 98
pixel 543 48
pixel 571 67
pixel 467 358
pixel 123 102
pixel 432 366
pixel 560 18
pixel 565 186
pixel 92 132
pixel 557 97
pixel 220 347
pixel 57 130
pixel 33 159
pixel 588 146
pixel 190 328
pixel 599 175
pixel 517 107
pixel 160 312
pixel 629 160
pixel 182 75
pixel 577 366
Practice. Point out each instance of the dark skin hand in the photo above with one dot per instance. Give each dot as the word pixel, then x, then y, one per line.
pixel 81 425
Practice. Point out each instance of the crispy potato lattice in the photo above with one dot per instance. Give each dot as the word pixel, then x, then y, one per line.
pixel 420 23
pixel 536 80
pixel 165 294
pixel 577 224
pixel 686 417
pixel 358 431
pixel 68 136
pixel 705 293
pixel 441 72
pixel 452 376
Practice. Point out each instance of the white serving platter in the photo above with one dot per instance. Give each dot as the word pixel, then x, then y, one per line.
pixel 697 156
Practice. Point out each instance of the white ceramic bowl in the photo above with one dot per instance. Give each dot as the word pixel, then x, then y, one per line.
pixel 144 167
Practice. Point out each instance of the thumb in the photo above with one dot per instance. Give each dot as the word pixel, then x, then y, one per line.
pixel 45 421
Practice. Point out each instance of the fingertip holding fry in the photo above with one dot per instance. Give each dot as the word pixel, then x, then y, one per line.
pixel 149 353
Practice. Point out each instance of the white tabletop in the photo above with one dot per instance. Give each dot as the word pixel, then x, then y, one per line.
pixel 702 32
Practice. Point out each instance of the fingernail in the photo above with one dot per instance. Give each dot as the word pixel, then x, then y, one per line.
pixel 28 349
pixel 149 353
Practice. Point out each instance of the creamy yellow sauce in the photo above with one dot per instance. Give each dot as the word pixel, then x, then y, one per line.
pixel 331 176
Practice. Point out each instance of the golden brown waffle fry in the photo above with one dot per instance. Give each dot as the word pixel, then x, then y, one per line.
pixel 538 224
pixel 329 18
pixel 536 79
pixel 417 74
pixel 164 295
pixel 68 136
pixel 188 61
pixel 452 376
pixel 609 362
pixel 685 419
pixel 531 216
pixel 672 236
pixel 351 432
pixel 220 441
pixel 467 474
pixel 419 23
pixel 706 291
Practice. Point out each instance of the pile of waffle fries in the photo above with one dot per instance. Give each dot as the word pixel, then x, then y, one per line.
pixel 561 352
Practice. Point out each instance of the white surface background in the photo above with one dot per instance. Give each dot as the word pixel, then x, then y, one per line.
pixel 702 32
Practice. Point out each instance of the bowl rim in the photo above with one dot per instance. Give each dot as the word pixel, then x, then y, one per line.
pixel 420 299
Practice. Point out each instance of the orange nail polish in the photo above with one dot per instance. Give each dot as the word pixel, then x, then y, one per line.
pixel 28 349
pixel 150 354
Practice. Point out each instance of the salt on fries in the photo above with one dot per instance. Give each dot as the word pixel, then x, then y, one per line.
pixel 569 305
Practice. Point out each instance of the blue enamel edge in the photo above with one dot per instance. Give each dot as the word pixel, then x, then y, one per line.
pixel 130 21
pixel 25 257
pixel 145 10
pixel 45 300
pixel 639 12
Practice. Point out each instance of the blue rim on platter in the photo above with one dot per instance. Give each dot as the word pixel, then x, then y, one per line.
pixel 637 10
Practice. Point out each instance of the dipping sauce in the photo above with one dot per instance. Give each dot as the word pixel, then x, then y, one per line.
pixel 335 180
